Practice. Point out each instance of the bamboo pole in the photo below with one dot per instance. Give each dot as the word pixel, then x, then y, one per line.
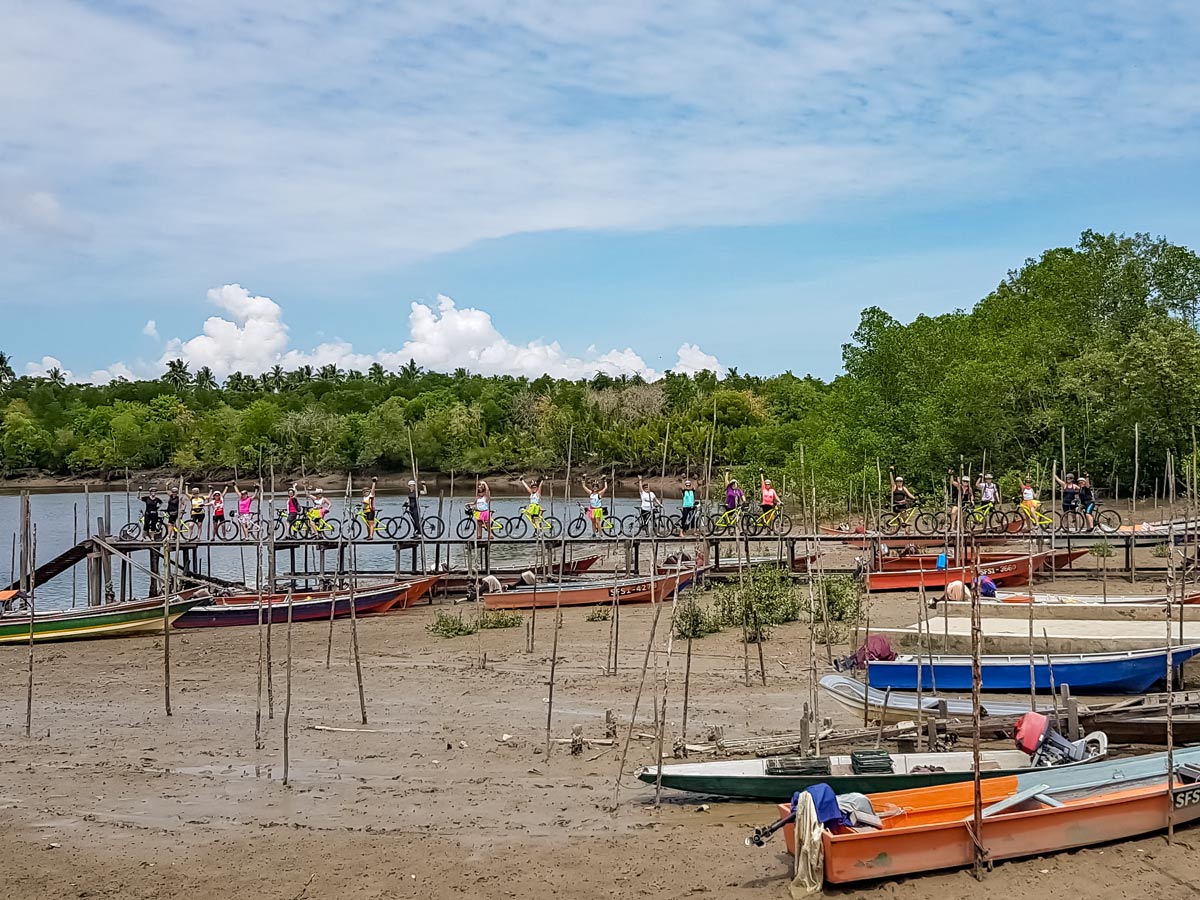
pixel 27 577
pixel 558 604
pixel 287 695
pixel 358 673
pixel 1137 433
pixel 1032 667
pixel 662 718
pixel 258 744
pixel 976 690
pixel 173 583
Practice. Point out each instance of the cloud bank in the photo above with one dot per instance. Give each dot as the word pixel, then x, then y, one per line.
pixel 251 337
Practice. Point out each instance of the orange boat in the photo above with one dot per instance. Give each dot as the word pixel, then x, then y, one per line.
pixel 590 593
pixel 1058 560
pixel 1013 570
pixel 1031 814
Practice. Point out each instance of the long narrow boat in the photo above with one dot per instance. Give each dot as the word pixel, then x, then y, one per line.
pixel 901 706
pixel 590 593
pixel 243 609
pixel 111 619
pixel 1031 814
pixel 1013 570
pixel 460 582
pixel 777 778
pixel 1125 672
pixel 1093 599
pixel 1057 560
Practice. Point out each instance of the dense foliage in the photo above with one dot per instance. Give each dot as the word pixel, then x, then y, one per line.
pixel 1093 338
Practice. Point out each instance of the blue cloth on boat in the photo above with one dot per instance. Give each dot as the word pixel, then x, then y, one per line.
pixel 987 587
pixel 825 801
pixel 941 562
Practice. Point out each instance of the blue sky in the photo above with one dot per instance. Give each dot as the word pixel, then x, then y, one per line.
pixel 624 186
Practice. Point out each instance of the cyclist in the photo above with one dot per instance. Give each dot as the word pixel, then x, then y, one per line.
pixel 961 496
pixel 648 503
pixel 150 517
pixel 901 495
pixel 1029 500
pixel 1087 499
pixel 534 509
pixel 483 509
pixel 767 494
pixel 217 501
pixel 368 504
pixel 245 505
pixel 989 491
pixel 1070 492
pixel 687 508
pixel 733 494
pixel 412 505
pixel 197 503
pixel 596 494
pixel 173 507
pixel 321 505
pixel 293 509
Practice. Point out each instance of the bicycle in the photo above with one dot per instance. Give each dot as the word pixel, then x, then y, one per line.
pixel 401 528
pixel 657 524
pixel 135 531
pixel 976 519
pixel 359 526
pixel 309 525
pixel 609 527
pixel 906 518
pixel 1031 518
pixel 773 521
pixel 543 526
pixel 725 521
pixel 497 526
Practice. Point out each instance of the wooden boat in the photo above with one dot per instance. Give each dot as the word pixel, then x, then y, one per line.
pixel 777 778
pixel 461 582
pixel 1031 814
pixel 1092 599
pixel 243 609
pixel 868 702
pixel 589 593
pixel 1013 570
pixel 1125 672
pixel 1057 560
pixel 130 617
pixel 863 540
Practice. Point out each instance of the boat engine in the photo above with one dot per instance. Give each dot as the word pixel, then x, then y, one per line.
pixel 1046 746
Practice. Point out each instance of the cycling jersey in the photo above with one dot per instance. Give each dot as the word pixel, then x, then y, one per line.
pixel 988 492
pixel 244 505
pixel 733 497
pixel 689 498
pixel 648 500
pixel 899 499
pixel 769 497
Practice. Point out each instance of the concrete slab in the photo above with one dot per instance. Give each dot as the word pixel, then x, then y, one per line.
pixel 1046 612
pixel 1062 635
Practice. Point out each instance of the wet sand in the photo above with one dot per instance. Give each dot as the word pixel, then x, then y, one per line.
pixel 110 798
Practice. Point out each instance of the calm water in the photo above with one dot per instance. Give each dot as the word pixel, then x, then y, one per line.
pixel 60 516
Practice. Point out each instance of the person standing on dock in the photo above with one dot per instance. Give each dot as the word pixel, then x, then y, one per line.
pixel 197 503
pixel 733 494
pixel 687 508
pixel 1070 492
pixel 483 510
pixel 534 509
pixel 596 494
pixel 217 501
pixel 769 499
pixel 649 501
pixel 1087 500
pixel 293 510
pixel 989 491
pixel 368 505
pixel 151 520
pixel 245 508
pixel 961 496
pixel 412 505
pixel 902 497
pixel 173 508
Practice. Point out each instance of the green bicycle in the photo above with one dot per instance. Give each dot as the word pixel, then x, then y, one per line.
pixel 541 525
pixel 892 522
pixel 497 526
pixel 773 521
pixel 724 522
pixel 608 526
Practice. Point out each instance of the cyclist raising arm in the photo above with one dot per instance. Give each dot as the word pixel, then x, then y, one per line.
pixel 596 494
pixel 483 509
pixel 412 505
pixel 961 495
pixel 368 504
pixel 534 509
pixel 245 507
pixel 767 494
pixel 687 508
pixel 648 502
pixel 1070 492
pixel 989 491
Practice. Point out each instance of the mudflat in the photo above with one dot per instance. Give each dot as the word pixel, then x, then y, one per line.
pixel 446 792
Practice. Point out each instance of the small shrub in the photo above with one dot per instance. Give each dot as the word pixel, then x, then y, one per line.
pixel 498 618
pixel 1102 550
pixel 597 614
pixel 693 621
pixel 1160 551
pixel 450 625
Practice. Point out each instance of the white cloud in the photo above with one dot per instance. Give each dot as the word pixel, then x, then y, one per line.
pixel 150 329
pixel 443 337
pixel 113 372
pixel 44 365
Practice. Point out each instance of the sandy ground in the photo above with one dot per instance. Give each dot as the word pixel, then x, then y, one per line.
pixel 110 798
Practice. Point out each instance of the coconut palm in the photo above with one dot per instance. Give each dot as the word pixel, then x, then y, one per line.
pixel 205 380
pixel 177 374
pixel 377 374
pixel 56 376
pixel 330 373
pixel 6 370
pixel 276 378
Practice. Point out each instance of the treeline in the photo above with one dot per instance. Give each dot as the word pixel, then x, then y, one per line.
pixel 1095 339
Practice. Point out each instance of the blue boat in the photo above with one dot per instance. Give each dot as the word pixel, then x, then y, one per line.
pixel 1129 672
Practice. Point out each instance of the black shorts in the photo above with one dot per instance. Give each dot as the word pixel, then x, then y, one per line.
pixel 1070 507
pixel 369 516
pixel 197 517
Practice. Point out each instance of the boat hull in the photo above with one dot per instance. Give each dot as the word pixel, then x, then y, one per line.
pixel 627 591
pixel 1014 570
pixel 110 620
pixel 305 607
pixel 1129 673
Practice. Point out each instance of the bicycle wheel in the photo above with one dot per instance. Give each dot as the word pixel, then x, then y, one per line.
pixel 356 530
pixel 228 530
pixel 398 527
pixel 1071 521
pixel 927 523
pixel 577 527
pixel 782 524
pixel 551 528
pixel 330 530
pixel 518 527
pixel 891 525
pixel 718 525
pixel 191 530
pixel 1108 520
pixel 130 532
pixel 433 527
pixel 998 522
pixel 609 527
pixel 627 526
pixel 465 529
pixel 257 530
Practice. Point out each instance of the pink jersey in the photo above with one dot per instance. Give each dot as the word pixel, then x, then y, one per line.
pixel 244 504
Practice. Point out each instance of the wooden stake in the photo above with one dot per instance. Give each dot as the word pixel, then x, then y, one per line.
pixel 976 700
pixel 358 674
pixel 287 694
pixel 27 577
pixel 558 604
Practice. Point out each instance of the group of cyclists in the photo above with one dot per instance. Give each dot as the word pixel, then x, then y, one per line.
pixel 979 503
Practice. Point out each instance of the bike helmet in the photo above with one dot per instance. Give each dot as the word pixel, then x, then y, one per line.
pixel 987 477
pixel 1070 476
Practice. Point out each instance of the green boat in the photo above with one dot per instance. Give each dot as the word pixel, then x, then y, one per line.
pixel 111 619
pixel 867 772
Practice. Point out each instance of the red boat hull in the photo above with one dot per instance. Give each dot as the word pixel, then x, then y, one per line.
pixel 1011 571
pixel 628 590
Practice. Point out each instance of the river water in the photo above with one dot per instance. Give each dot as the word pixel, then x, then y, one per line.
pixel 60 516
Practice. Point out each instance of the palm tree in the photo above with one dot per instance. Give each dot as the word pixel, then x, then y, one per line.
pixel 330 372
pixel 410 371
pixel 205 380
pixel 376 373
pixel 355 375
pixel 56 377
pixel 6 370
pixel 276 377
pixel 177 374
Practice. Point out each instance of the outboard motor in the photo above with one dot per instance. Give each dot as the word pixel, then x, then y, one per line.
pixel 1046 746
